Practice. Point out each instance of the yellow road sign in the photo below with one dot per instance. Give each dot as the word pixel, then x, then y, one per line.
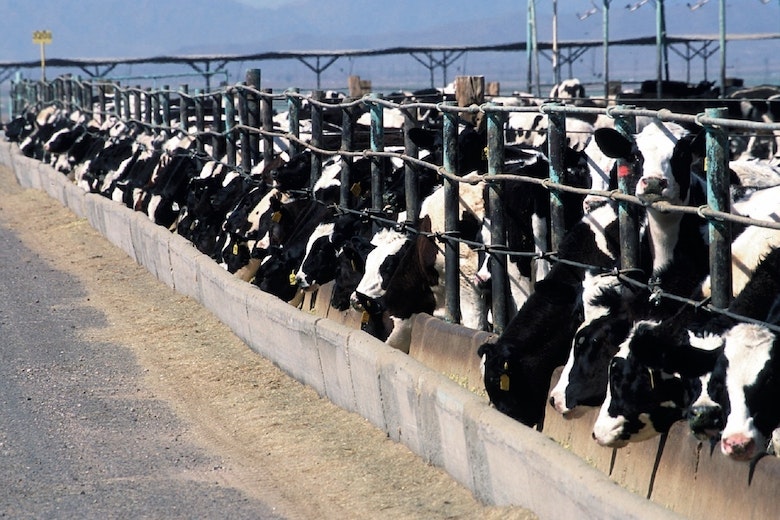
pixel 41 36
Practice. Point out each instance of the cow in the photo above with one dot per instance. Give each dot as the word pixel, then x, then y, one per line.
pixel 518 366
pixel 400 279
pixel 607 316
pixel 350 267
pixel 48 121
pixel 674 258
pixel 18 128
pixel 276 274
pixel 325 245
pixel 680 353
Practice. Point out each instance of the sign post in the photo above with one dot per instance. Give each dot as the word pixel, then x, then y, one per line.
pixel 42 37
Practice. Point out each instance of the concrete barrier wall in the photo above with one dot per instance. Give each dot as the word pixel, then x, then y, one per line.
pixel 432 399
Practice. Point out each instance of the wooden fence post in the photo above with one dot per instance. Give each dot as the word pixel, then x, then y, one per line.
pixel 470 90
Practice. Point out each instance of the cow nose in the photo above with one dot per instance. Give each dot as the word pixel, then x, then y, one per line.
pixel 300 280
pixel 355 302
pixel 738 447
pixel 592 203
pixel 653 185
pixel 705 420
pixel 481 278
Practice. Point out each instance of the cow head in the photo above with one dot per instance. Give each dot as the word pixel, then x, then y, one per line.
pixel 470 145
pixel 349 270
pixel 607 304
pixel 319 261
pixel 658 377
pixel 661 156
pixel 517 365
pixel 381 263
pixel 294 174
pixel 641 402
pixel 752 383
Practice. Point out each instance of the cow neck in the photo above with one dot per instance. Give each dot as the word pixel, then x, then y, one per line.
pixel 664 232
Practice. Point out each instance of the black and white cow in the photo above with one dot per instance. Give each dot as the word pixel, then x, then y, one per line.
pixel 675 256
pixel 321 260
pixel 518 366
pixel 19 127
pixel 400 279
pixel 662 372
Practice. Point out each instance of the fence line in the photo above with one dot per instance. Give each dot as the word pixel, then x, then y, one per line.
pixel 235 119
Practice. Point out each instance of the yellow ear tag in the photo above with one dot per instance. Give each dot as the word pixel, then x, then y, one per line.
pixel 503 381
pixel 277 216
pixel 485 153
pixel 235 248
pixel 364 318
pixel 355 189
pixel 292 278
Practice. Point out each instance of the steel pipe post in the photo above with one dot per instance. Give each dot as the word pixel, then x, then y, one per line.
pixel 217 127
pixel 267 118
pixel 556 142
pixel 230 123
pixel 316 137
pixel 294 119
pixel 377 145
pixel 253 112
pixel 347 143
pixel 628 214
pixel 148 106
pixel 718 198
pixel 200 122
pixel 244 136
pixel 498 261
pixel 184 108
pixel 451 206
pixel 138 103
pixel 102 102
pixel 165 106
pixel 411 179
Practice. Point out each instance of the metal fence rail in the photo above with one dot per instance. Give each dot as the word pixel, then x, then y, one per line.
pixel 235 120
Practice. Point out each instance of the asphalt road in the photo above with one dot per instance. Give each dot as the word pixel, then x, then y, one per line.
pixel 80 434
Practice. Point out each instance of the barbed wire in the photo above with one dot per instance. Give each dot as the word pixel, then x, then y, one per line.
pixel 232 128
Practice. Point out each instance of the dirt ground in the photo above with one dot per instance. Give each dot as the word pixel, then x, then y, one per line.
pixel 278 440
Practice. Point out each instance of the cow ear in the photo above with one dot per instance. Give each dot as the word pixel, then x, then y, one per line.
pixel 613 143
pixel 426 255
pixel 424 224
pixel 485 349
pixel 425 139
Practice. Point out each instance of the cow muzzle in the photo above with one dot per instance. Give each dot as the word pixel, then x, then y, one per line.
pixel 738 447
pixel 706 422
pixel 650 189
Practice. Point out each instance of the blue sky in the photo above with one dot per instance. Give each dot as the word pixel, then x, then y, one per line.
pixel 143 28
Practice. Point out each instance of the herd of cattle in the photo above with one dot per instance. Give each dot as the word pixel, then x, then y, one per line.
pixel 646 359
